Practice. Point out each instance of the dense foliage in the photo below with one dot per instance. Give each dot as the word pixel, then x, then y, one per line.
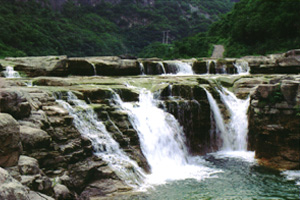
pixel 33 28
pixel 259 27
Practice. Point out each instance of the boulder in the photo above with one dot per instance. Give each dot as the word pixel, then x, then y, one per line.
pixel 11 189
pixel 28 166
pixel 14 103
pixel 104 187
pixel 41 65
pixel 200 67
pixel 50 81
pixel 289 90
pixel 80 67
pixel 34 138
pixel 62 192
pixel 266 90
pixel 10 143
pixel 38 196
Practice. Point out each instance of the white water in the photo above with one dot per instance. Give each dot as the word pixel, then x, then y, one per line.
pixel 162 67
pixel 233 134
pixel 163 143
pixel 87 123
pixel 292 175
pixel 237 129
pixel 220 125
pixel 11 73
pixel 95 70
pixel 183 68
pixel 142 68
pixel 242 67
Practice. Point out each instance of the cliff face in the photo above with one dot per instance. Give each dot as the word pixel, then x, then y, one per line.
pixel 274 120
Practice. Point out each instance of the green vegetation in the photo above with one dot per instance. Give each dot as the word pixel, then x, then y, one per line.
pixel 259 27
pixel 34 28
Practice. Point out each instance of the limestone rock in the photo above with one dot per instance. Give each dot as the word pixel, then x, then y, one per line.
pixel 62 192
pixel 103 187
pixel 40 65
pixel 14 103
pixel 34 138
pixel 10 143
pixel 38 196
pixel 50 81
pixel 289 90
pixel 11 189
pixel 28 165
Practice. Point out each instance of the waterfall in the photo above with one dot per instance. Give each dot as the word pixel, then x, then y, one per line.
pixel 87 123
pixel 237 129
pixel 233 134
pixel 162 67
pixel 183 68
pixel 242 67
pixel 142 68
pixel 95 70
pixel 217 116
pixel 11 73
pixel 163 142
pixel 208 63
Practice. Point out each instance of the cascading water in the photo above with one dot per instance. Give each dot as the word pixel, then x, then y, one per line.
pixel 11 73
pixel 87 123
pixel 238 126
pixel 95 69
pixel 162 142
pixel 242 67
pixel 183 68
pixel 161 66
pixel 234 134
pixel 220 125
pixel 142 68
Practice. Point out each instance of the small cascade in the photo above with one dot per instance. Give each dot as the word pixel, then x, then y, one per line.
pixel 237 130
pixel 142 68
pixel 220 125
pixel 95 70
pixel 209 63
pixel 161 66
pixel 242 67
pixel 183 68
pixel 11 73
pixel 87 123
pixel 163 142
pixel 234 134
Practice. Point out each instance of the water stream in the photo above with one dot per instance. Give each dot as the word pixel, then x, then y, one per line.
pixel 163 143
pixel 11 73
pixel 87 123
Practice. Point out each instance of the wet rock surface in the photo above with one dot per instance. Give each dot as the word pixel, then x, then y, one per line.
pixel 274 121
pixel 47 156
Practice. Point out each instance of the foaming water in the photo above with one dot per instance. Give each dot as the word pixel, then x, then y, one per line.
pixel 293 175
pixel 163 143
pixel 237 130
pixel 11 73
pixel 87 123
pixel 242 67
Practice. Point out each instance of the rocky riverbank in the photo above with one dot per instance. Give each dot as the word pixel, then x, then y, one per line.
pixel 44 156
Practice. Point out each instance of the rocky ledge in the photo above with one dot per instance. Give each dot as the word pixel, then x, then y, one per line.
pixel 44 156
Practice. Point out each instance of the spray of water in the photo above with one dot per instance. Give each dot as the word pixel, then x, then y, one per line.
pixel 163 143
pixel 87 123
pixel 11 73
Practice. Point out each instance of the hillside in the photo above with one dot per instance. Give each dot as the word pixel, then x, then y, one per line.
pixel 259 27
pixel 94 27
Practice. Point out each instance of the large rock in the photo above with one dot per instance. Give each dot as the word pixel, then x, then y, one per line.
pixel 28 165
pixel 34 138
pixel 274 125
pixel 40 66
pixel 14 103
pixel 11 189
pixel 50 81
pixel 10 143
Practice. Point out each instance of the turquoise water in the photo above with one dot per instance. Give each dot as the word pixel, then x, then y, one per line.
pixel 239 179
